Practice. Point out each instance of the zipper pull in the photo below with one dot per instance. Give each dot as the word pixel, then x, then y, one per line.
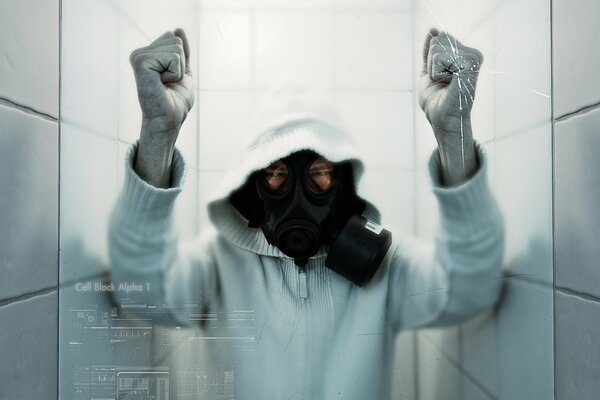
pixel 303 285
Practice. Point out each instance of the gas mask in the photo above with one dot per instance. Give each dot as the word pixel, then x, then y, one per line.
pixel 304 202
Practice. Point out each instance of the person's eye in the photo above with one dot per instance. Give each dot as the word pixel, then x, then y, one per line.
pixel 320 175
pixel 276 176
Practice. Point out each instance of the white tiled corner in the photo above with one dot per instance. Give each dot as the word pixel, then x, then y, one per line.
pixel 576 61
pixel 88 189
pixel 223 133
pixel 404 375
pixel 224 50
pixel 479 350
pixel 445 340
pixel 292 46
pixel 525 342
pixel 522 67
pixel 28 203
pixel 392 192
pixel 577 336
pixel 29 348
pixel 370 50
pixel 437 377
pixel 381 126
pixel 89 66
pixel 576 194
pixel 30 47
pixel 524 192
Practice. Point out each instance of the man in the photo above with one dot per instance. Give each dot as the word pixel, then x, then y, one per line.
pixel 293 242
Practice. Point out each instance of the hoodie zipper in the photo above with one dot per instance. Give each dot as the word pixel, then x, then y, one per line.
pixel 302 283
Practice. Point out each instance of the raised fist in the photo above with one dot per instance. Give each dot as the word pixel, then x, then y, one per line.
pixel 448 82
pixel 164 84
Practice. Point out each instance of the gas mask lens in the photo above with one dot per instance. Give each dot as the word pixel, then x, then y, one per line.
pixel 320 176
pixel 276 177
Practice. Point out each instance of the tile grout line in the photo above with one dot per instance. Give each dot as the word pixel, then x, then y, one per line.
pixel 27 296
pixel 582 111
pixel 27 110
pixel 58 202
pixel 580 295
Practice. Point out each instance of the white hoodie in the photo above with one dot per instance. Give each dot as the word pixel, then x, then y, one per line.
pixel 279 332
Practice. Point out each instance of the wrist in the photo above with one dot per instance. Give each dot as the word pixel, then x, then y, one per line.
pixel 457 154
pixel 154 156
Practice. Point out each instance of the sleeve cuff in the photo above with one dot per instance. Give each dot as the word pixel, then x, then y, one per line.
pixel 468 207
pixel 143 207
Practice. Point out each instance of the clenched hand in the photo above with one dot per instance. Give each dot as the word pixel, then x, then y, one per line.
pixel 166 95
pixel 446 95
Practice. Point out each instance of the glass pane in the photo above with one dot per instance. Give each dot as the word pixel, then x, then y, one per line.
pixel 150 310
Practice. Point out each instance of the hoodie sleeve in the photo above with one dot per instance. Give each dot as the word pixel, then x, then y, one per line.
pixel 144 248
pixel 459 274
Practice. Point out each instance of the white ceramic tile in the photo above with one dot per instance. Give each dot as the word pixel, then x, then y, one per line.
pixel 28 203
pixel 524 192
pixel 88 188
pixel 29 61
pixel 129 113
pixel 404 375
pixel 392 193
pixel 370 50
pixel 224 50
pixel 29 348
pixel 292 46
pixel 525 338
pixel 424 138
pixel 186 207
pixel 522 67
pixel 445 340
pixel 474 391
pixel 293 4
pixel 576 194
pixel 577 356
pixel 576 63
pixel 381 126
pixel 89 70
pixel 437 377
pixel 223 132
pixel 224 5
pixel 384 5
pixel 479 350
pixel 427 211
pixel 153 17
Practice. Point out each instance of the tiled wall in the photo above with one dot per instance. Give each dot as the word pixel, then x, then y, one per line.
pixel 507 352
pixel 29 198
pixel 100 118
pixel 577 222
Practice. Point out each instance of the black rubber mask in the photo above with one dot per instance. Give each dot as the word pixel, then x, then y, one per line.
pixel 299 194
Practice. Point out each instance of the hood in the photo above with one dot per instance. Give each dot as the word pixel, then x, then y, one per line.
pixel 290 118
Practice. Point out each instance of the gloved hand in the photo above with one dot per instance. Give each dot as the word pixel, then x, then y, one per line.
pixel 166 95
pixel 446 95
